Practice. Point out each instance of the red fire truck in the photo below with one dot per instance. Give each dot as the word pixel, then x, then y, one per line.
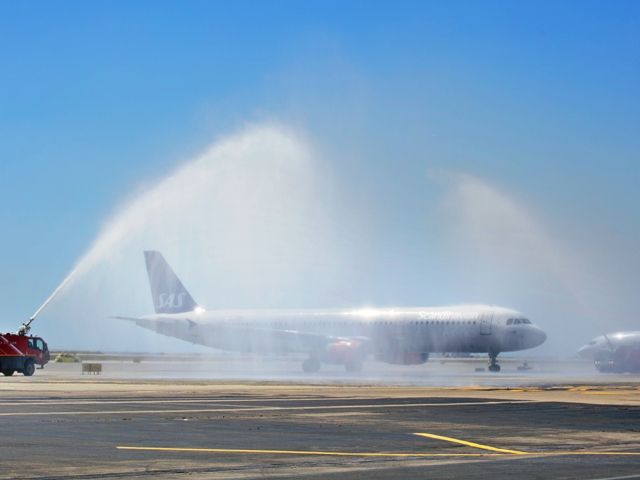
pixel 21 353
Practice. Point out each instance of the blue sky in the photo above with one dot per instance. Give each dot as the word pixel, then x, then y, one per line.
pixel 100 99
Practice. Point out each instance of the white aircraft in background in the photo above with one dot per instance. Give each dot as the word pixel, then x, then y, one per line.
pixel 403 336
pixel 616 352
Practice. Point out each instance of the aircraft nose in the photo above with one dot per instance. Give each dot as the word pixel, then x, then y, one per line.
pixel 538 336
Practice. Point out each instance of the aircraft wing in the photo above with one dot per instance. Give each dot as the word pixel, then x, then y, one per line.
pixel 299 340
pixel 131 319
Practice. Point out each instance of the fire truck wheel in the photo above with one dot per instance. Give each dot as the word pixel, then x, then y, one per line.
pixel 8 373
pixel 29 368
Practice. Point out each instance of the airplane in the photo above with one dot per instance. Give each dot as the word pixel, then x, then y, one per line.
pixel 617 352
pixel 405 336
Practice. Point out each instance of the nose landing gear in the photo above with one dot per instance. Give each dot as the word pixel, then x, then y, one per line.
pixel 493 364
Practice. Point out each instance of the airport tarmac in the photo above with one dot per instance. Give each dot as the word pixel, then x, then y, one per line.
pixel 160 419
pixel 437 371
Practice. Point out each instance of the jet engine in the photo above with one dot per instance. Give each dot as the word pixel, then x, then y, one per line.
pixel 349 353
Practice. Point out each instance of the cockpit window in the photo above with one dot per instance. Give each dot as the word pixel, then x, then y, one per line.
pixel 518 321
pixel 592 342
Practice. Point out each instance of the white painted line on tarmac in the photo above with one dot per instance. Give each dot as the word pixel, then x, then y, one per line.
pixel 169 400
pixel 63 401
pixel 232 408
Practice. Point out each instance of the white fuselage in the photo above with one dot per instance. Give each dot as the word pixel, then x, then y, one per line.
pixel 388 333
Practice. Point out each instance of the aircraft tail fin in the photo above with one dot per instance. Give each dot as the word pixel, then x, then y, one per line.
pixel 167 291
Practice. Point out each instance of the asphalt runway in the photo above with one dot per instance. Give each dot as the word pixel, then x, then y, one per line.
pixel 60 425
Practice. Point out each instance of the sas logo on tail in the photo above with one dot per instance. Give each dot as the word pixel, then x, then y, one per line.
pixel 171 300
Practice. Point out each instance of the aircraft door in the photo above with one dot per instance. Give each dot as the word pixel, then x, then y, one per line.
pixel 486 321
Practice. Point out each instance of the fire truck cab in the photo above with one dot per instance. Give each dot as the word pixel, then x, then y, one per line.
pixel 21 353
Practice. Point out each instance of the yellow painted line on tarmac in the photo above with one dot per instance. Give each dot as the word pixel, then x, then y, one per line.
pixel 520 452
pixel 496 453
pixel 470 444
pixel 303 452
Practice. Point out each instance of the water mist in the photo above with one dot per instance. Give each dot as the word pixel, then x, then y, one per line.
pixel 250 223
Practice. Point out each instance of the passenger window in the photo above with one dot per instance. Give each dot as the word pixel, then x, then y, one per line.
pixel 39 344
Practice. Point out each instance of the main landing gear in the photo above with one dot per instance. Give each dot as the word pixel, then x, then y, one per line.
pixel 493 364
